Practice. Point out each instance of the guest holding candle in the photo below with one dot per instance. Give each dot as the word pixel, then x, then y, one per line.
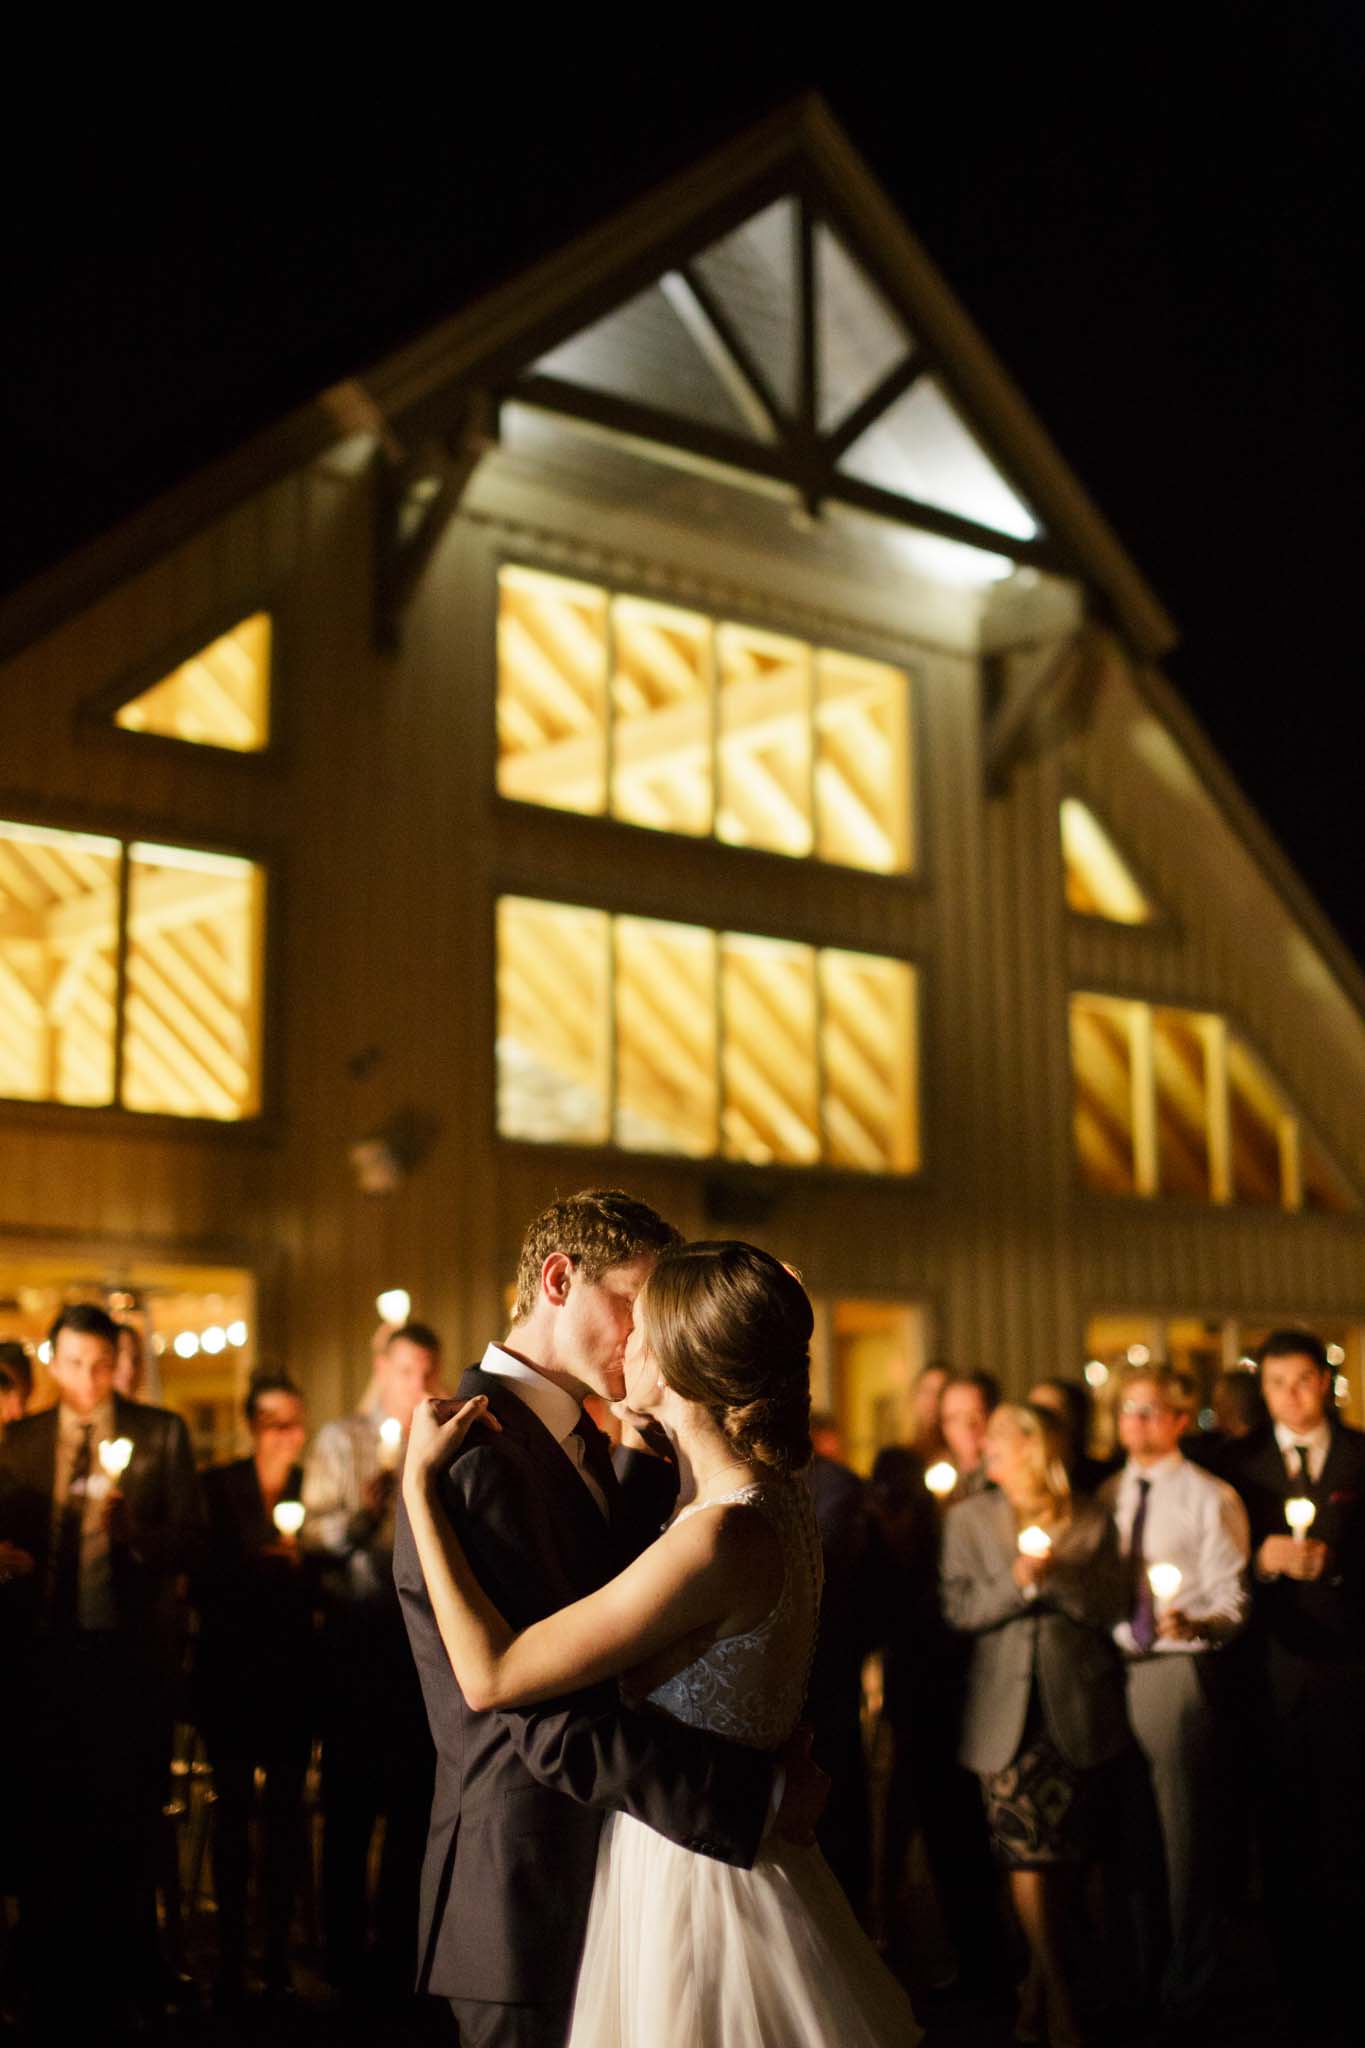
pixel 94 1632
pixel 1308 1641
pixel 254 1678
pixel 1032 1574
pixel 1186 1547
pixel 377 1758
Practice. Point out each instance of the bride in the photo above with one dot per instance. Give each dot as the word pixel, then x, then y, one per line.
pixel 713 1624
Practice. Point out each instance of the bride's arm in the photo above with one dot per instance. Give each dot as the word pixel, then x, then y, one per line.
pixel 708 1570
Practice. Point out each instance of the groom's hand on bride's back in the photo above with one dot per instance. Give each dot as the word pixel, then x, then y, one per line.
pixel 805 1788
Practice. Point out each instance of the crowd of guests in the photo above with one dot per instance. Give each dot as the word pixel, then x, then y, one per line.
pixel 1127 1683
pixel 1124 1682
pixel 254 1601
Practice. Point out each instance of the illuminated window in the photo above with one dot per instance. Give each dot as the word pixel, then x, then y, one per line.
pixel 670 1038
pixel 1171 1101
pixel 554 1070
pixel 191 1043
pixel 188 1037
pixel 769 1064
pixel 664 717
pixel 220 697
pixel 665 1012
pixel 552 691
pixel 1098 881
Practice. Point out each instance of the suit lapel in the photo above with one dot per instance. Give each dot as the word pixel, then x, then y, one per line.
pixel 570 1495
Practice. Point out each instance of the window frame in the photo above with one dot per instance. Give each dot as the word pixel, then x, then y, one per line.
pixel 115 1116
pixel 95 718
pixel 761 615
pixel 711 1165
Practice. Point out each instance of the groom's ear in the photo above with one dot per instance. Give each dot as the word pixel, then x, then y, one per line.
pixel 555 1278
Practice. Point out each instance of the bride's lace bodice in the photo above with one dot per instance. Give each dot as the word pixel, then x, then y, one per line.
pixel 751 1687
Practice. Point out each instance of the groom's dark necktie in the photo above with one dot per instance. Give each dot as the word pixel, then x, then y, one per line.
pixel 1143 1617
pixel 597 1460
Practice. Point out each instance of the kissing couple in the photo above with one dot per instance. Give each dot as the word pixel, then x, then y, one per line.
pixel 621 1844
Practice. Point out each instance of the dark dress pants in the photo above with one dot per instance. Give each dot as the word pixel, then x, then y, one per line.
pixel 930 1790
pixel 236 1750
pixel 483 2025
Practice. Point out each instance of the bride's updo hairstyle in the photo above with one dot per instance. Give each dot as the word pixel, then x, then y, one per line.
pixel 729 1328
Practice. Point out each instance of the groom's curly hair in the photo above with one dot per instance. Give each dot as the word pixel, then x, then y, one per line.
pixel 596 1228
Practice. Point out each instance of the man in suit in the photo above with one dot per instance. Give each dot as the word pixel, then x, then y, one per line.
pixel 377 1757
pixel 1170 1512
pixel 1308 1633
pixel 851 1625
pixel 94 1631
pixel 520 1794
pixel 254 1678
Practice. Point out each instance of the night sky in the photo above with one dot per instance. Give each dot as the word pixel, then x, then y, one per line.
pixel 1151 213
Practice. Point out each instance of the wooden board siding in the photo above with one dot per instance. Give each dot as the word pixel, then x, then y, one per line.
pixel 388 847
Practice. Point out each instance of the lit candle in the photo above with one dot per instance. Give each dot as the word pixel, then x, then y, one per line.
pixel 288 1517
pixel 941 1479
pixel 1034 1542
pixel 1164 1580
pixel 394 1305
pixel 115 1457
pixel 1300 1513
pixel 390 1443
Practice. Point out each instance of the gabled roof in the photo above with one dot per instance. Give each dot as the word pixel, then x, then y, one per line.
pixel 421 391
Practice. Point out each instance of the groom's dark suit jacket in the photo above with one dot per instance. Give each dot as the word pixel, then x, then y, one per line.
pixel 520 1794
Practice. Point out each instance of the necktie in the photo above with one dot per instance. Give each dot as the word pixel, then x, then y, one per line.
pixel 1304 1473
pixel 66 1576
pixel 597 1458
pixel 1143 1622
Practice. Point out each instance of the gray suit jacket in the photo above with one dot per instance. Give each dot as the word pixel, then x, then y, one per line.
pixel 1060 1641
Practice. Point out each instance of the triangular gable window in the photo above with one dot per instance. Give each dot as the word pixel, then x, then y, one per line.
pixel 219 697
pixel 775 353
pixel 1099 881
pixel 921 449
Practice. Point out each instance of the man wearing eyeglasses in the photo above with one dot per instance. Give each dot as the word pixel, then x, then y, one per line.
pixel 1172 1514
pixel 1308 1636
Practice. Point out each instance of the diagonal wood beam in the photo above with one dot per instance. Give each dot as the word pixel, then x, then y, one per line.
pixel 415 500
pixel 707 321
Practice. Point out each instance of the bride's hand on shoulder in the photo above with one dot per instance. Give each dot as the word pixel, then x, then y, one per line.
pixel 438 1429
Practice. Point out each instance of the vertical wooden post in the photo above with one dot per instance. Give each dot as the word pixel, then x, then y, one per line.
pixel 1291 1168
pixel 1143 1078
pixel 1216 1108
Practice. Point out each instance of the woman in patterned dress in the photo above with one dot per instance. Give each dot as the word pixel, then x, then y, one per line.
pixel 1045 1699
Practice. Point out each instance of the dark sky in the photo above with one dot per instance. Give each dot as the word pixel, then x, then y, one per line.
pixel 1152 214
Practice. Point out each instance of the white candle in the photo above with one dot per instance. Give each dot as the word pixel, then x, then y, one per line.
pixel 1300 1513
pixel 1034 1542
pixel 390 1443
pixel 115 1456
pixel 1164 1580
pixel 941 1479
pixel 288 1517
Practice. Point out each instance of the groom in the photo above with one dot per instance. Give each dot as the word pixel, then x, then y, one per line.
pixel 520 1795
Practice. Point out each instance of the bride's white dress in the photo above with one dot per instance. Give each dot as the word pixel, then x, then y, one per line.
pixel 685 1952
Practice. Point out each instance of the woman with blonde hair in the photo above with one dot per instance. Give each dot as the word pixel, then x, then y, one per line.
pixel 1033 1574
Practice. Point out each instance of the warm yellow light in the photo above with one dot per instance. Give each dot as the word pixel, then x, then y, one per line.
pixel 1164 1580
pixel 390 1442
pixel 237 1333
pixel 289 1517
pixel 186 1344
pixel 394 1305
pixel 1138 1354
pixel 1034 1542
pixel 115 1456
pixel 1097 1373
pixel 1300 1513
pixel 941 1479
pixel 213 1340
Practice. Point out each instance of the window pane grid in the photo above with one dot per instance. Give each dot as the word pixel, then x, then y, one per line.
pixel 129 975
pixel 666 718
pixel 716 1044
pixel 1170 1101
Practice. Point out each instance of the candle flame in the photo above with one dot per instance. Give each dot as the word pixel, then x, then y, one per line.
pixel 116 1456
pixel 941 1479
pixel 1034 1542
pixel 1165 1580
pixel 1300 1514
pixel 289 1517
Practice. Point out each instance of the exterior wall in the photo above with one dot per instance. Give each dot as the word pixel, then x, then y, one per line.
pixel 388 848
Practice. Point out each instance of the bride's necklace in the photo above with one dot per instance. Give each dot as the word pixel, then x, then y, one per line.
pixel 702 1500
